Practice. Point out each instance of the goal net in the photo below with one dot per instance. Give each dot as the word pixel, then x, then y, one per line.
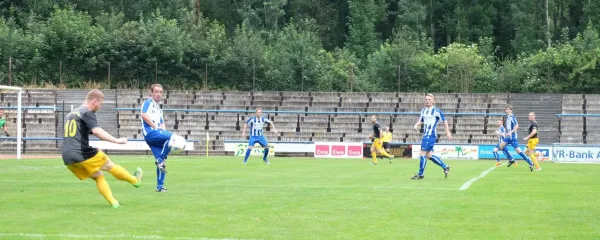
pixel 12 109
pixel 575 153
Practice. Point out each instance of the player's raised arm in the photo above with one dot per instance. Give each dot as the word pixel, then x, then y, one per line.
pixel 89 119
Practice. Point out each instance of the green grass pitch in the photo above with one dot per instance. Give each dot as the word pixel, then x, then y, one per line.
pixel 302 198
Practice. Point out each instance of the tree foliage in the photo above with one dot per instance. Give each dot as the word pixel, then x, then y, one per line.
pixel 309 45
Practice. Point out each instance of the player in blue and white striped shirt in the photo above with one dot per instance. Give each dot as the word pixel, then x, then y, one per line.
pixel 511 136
pixel 501 132
pixel 256 124
pixel 155 134
pixel 430 117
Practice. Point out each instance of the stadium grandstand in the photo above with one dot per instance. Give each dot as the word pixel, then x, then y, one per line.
pixel 302 116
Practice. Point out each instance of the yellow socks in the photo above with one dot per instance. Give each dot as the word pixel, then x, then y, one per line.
pixel 534 160
pixel 104 189
pixel 122 174
pixel 374 155
pixel 385 154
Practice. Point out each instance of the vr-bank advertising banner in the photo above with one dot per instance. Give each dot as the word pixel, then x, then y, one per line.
pixel 450 151
pixel 542 152
pixel 575 154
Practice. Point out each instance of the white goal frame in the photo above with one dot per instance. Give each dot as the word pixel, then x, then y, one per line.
pixel 19 116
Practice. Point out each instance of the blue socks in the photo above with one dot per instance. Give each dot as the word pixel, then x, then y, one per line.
pixel 437 160
pixel 247 155
pixel 422 164
pixel 526 158
pixel 160 179
pixel 508 155
pixel 266 154
pixel 496 156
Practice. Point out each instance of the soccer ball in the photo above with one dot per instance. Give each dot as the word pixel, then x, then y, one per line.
pixel 177 144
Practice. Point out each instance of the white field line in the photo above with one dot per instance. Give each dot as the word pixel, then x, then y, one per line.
pixel 472 180
pixel 211 184
pixel 95 236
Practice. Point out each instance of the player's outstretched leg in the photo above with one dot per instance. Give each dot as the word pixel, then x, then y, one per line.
pixel 437 160
pixel 266 154
pixel 104 189
pixel 526 158
pixel 120 173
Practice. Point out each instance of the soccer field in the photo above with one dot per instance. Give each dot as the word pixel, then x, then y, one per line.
pixel 302 198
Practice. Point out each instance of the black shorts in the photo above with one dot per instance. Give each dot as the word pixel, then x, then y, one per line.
pixel 386 145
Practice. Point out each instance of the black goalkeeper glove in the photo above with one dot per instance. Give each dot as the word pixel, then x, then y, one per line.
pixel 7 135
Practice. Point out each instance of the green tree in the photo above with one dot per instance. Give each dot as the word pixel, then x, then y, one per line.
pixel 364 15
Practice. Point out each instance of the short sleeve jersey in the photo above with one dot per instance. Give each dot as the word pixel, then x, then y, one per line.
pixel 533 125
pixel 2 121
pixel 376 130
pixel 430 117
pixel 502 131
pixel 256 125
pixel 78 126
pixel 387 137
pixel 511 124
pixel 151 108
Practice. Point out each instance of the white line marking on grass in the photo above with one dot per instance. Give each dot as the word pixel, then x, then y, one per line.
pixel 472 180
pixel 120 236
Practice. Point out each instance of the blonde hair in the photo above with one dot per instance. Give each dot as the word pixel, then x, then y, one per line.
pixel 94 94
pixel 155 85
pixel 258 109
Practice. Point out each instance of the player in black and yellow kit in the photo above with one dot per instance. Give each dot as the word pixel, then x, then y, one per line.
pixel 532 140
pixel 86 161
pixel 386 139
pixel 377 141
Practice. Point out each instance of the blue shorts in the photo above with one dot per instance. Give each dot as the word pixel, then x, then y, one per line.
pixel 514 142
pixel 427 143
pixel 257 139
pixel 156 139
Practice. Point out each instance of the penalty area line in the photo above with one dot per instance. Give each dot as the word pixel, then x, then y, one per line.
pixel 96 236
pixel 467 184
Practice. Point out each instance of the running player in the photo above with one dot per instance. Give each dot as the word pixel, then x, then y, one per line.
pixel 377 142
pixel 256 134
pixel 387 138
pixel 85 161
pixel 511 137
pixel 3 123
pixel 155 134
pixel 430 117
pixel 532 140
pixel 501 132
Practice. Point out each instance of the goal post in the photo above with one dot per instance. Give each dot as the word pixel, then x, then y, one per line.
pixel 19 115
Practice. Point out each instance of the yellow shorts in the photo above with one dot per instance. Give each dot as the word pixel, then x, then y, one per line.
pixel 377 143
pixel 84 170
pixel 532 143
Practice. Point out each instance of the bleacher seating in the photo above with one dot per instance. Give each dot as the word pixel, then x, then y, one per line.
pixel 303 124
